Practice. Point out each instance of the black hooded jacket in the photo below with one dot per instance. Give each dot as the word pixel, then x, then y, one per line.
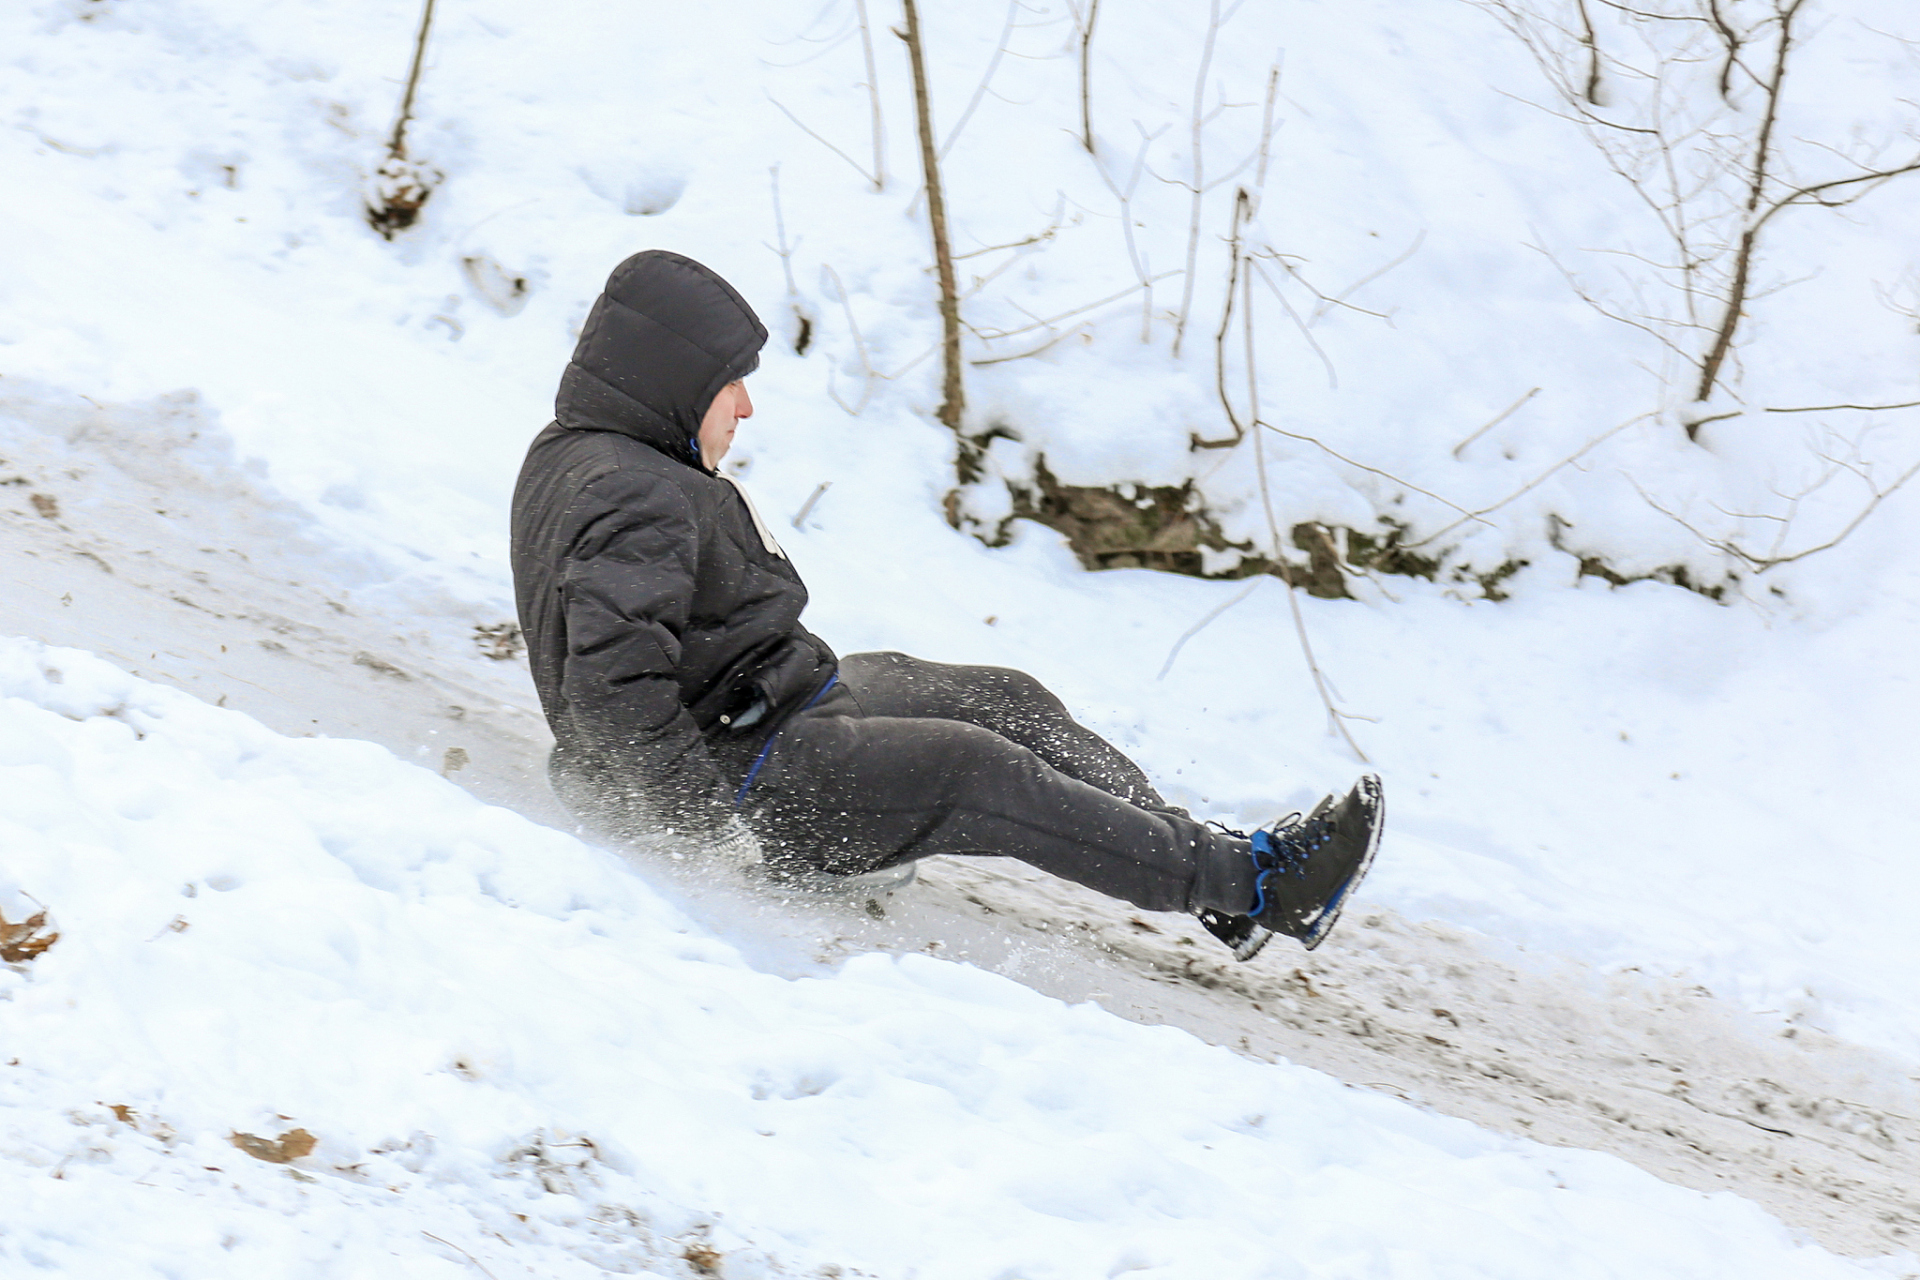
pixel 658 614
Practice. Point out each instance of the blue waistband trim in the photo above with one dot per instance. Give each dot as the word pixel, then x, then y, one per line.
pixel 761 759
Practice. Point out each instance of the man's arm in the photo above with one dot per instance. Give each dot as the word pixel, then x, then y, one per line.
pixel 626 592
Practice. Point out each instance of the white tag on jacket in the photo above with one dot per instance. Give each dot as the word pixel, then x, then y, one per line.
pixel 766 534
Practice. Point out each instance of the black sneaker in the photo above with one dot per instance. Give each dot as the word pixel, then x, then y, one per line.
pixel 1307 868
pixel 1243 937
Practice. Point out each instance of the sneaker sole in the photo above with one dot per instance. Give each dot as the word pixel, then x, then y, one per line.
pixel 1375 799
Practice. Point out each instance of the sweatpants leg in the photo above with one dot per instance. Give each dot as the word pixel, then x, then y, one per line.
pixel 1010 703
pixel 848 793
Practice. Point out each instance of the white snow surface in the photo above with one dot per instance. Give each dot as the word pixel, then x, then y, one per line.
pixel 507 1046
pixel 1634 777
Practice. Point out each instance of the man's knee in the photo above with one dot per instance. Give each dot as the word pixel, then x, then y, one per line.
pixel 1014 692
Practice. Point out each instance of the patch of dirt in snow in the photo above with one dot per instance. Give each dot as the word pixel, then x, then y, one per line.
pixel 132 531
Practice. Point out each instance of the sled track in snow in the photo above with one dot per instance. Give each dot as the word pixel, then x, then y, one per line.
pixel 110 541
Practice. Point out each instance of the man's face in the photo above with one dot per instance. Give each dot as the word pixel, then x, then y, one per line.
pixel 723 416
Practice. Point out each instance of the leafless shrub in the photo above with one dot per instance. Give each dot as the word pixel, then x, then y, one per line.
pixel 1684 100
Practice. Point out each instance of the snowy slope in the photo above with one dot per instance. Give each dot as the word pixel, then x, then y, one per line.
pixel 1637 775
pixel 1636 778
pixel 456 1037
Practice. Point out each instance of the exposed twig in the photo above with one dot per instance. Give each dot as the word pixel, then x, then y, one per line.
pixel 859 346
pixel 1266 127
pixel 1336 719
pixel 1532 484
pixel 1498 418
pixel 980 90
pixel 1048 345
pixel 806 129
pixel 1198 123
pixel 1247 354
pixel 1038 237
pixel 1322 302
pixel 803 323
pixel 1241 205
pixel 1336 455
pixel 1202 625
pixel 1125 199
pixel 953 393
pixel 782 248
pixel 1086 77
pixel 1326 361
pixel 1863 408
pixel 1340 300
pixel 806 508
pixel 998 334
pixel 462 1252
pixel 873 98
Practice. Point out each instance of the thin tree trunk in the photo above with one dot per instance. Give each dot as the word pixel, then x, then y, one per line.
pixel 397 148
pixel 1749 238
pixel 954 402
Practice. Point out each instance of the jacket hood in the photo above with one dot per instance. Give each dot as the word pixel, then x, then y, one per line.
pixel 665 335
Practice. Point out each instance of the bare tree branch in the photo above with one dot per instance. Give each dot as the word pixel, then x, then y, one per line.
pixel 873 98
pixel 1336 719
pixel 1862 408
pixel 1465 515
pixel 1498 418
pixel 1592 90
pixel 1202 625
pixel 1198 162
pixel 1086 76
pixel 1760 564
pixel 980 90
pixel 823 142
pixel 1532 484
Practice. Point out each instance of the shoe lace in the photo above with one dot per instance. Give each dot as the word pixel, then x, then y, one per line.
pixel 1283 849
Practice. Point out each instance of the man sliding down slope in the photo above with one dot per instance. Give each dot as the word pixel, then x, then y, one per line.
pixel 663 623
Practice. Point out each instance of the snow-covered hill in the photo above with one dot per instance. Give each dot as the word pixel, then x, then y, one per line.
pixel 317 1012
pixel 1633 779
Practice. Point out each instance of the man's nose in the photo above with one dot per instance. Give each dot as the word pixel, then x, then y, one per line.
pixel 744 408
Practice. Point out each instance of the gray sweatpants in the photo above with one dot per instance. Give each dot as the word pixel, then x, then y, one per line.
pixel 904 758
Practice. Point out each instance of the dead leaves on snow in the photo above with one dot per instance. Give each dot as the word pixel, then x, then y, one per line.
pixel 22 942
pixel 285 1149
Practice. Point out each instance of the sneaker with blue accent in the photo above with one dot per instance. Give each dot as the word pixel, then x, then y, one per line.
pixel 1243 937
pixel 1305 869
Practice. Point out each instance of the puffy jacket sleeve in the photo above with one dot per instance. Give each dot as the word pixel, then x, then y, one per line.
pixel 626 592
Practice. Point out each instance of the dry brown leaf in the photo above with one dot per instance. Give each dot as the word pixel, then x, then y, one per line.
pixel 704 1257
pixel 285 1149
pixel 122 1112
pixel 21 942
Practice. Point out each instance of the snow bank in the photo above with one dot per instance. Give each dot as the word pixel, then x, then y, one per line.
pixel 508 1051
